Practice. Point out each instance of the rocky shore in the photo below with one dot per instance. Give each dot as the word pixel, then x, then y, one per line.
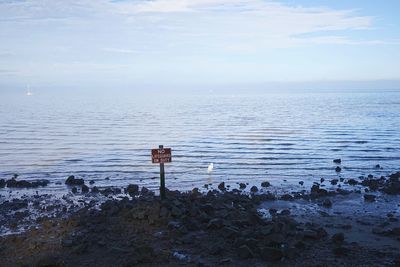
pixel 356 226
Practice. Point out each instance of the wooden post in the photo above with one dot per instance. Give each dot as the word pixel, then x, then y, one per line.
pixel 162 178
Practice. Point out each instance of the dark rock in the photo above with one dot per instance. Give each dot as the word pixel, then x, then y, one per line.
pixel 85 189
pixel 340 251
pixel 271 254
pixel 221 186
pixel 242 186
pixel 244 252
pixel 12 183
pixel 91 182
pixel 50 261
pixel 338 237
pixel 377 166
pixel 338 169
pixel 95 189
pixel 2 183
pixel 334 181
pixel 254 189
pixel 74 190
pixel 71 180
pixel 369 198
pixel 132 190
pixel 265 184
pixel 322 180
pixel 352 182
pixel 215 224
pixel 327 203
pixel 287 197
pixel 301 183
pixel 337 161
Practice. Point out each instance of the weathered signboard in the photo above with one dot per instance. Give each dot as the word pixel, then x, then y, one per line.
pixel 161 155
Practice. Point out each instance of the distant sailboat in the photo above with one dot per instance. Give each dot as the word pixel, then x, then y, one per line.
pixel 28 92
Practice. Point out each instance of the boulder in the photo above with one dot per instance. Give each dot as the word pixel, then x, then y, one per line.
pixel 338 161
pixel 221 186
pixel 132 190
pixel 242 185
pixel 338 169
pixel 85 189
pixel 71 180
pixel 254 189
pixel 265 184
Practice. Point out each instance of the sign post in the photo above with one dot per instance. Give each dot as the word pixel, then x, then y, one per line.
pixel 161 155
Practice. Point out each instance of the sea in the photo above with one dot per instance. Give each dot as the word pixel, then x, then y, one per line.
pixel 283 137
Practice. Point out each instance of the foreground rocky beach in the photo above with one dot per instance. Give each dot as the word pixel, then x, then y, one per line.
pixel 341 222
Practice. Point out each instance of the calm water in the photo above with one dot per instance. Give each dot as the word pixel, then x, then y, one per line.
pixel 273 136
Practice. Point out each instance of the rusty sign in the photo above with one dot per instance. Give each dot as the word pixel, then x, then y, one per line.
pixel 161 155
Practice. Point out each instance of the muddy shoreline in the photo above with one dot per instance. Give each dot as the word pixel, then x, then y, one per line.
pixel 341 222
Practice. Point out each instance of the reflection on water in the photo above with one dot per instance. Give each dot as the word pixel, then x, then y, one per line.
pixel 250 137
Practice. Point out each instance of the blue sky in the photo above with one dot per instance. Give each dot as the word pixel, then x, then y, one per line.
pixel 134 43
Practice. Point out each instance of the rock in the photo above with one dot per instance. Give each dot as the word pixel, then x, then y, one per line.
pixel 254 189
pixel 340 251
pixel 265 184
pixel 144 191
pixel 85 189
pixel 71 180
pixel 322 180
pixel 338 169
pixel 338 237
pixel 287 197
pixel 217 248
pixel 95 189
pixel 377 166
pixel 352 182
pixel 2 183
pixel 12 183
pixel 221 186
pixel 242 186
pixel 338 161
pixel 132 190
pixel 327 203
pixel 369 198
pixel 215 224
pixel 271 254
pixel 334 181
pixel 244 252
pixel 50 261
pixel 301 183
pixel 74 190
pixel 91 182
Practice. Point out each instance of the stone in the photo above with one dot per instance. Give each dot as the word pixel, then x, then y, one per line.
pixel 74 190
pixel 242 186
pixel 215 224
pixel 271 254
pixel 301 183
pixel 327 203
pixel 265 184
pixel 132 190
pixel 71 180
pixel 2 183
pixel 322 180
pixel 338 161
pixel 377 166
pixel 338 237
pixel 95 189
pixel 254 189
pixel 338 169
pixel 287 197
pixel 244 252
pixel 85 189
pixel 334 181
pixel 221 186
pixel 352 182
pixel 369 198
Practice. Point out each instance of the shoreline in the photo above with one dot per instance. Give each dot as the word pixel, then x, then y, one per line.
pixel 359 224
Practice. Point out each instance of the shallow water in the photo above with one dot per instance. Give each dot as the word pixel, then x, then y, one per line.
pixel 249 137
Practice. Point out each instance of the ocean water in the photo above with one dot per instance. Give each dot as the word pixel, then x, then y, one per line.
pixel 250 138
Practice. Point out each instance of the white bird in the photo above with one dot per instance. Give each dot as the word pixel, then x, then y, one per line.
pixel 210 167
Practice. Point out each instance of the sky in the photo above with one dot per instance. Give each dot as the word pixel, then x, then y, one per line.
pixel 139 43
